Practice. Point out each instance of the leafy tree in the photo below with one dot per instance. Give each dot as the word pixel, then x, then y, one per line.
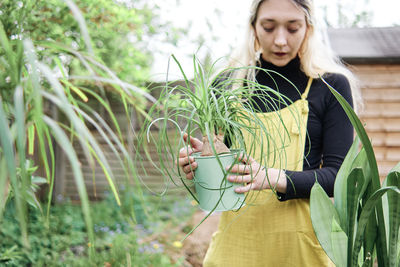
pixel 348 14
pixel 119 31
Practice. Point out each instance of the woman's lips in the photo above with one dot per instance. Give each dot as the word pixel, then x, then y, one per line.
pixel 280 54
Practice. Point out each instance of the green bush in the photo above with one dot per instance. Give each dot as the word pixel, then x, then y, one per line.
pixel 120 241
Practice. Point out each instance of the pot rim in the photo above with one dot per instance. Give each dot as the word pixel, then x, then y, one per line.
pixel 233 152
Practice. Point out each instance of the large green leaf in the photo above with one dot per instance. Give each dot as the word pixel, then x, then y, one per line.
pixel 340 190
pixel 367 211
pixel 355 183
pixel 369 242
pixel 322 215
pixel 393 179
pixel 339 244
pixel 375 180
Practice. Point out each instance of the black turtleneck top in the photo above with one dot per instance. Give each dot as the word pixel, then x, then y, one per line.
pixel 329 130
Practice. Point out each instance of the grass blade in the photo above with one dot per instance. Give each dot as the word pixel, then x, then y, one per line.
pixel 21 138
pixel 64 143
pixel 82 24
pixel 7 145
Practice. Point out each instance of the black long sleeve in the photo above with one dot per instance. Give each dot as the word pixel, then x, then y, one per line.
pixel 330 133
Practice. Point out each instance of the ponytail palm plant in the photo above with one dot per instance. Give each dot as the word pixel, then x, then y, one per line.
pixel 219 109
pixel 363 224
pixel 29 130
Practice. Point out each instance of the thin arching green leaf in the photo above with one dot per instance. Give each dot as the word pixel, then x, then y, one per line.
pixel 4 188
pixel 64 143
pixel 7 143
pixel 85 138
pixel 82 24
pixel 21 137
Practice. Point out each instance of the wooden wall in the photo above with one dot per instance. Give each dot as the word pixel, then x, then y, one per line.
pixel 381 114
pixel 95 180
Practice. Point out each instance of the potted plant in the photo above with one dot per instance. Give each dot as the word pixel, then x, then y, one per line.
pixel 219 109
pixel 363 223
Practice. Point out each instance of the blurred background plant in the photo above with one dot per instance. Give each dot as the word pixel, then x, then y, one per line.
pixel 120 240
pixel 61 62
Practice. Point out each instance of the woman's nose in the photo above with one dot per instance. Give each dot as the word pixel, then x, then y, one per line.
pixel 280 38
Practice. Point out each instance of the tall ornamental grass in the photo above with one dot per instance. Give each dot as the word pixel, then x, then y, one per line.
pixel 43 107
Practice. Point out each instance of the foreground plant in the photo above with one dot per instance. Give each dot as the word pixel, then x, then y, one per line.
pixel 363 224
pixel 42 106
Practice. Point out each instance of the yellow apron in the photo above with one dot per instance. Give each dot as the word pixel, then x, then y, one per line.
pixel 267 232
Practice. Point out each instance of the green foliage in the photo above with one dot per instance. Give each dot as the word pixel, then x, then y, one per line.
pixel 41 106
pixel 363 223
pixel 339 14
pixel 62 241
pixel 118 32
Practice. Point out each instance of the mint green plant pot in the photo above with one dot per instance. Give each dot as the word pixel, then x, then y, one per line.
pixel 212 188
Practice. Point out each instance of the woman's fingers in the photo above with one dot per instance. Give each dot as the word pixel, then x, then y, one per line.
pixel 240 179
pixel 190 176
pixel 185 151
pixel 245 168
pixel 245 159
pixel 244 189
pixel 240 168
pixel 185 160
pixel 190 167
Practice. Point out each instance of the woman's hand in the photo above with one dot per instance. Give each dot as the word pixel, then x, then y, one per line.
pixel 256 177
pixel 186 162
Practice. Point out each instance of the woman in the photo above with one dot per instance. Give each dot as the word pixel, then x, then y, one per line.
pixel 278 231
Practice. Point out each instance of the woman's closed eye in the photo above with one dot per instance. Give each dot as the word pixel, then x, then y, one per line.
pixel 268 29
pixel 290 30
pixel 293 30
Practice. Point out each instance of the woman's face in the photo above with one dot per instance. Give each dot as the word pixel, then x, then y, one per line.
pixel 280 29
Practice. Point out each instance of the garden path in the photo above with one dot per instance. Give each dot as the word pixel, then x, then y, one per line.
pixel 195 246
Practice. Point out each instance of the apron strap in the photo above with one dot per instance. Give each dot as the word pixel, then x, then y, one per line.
pixel 305 94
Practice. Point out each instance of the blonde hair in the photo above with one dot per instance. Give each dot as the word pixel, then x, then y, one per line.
pixel 316 58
